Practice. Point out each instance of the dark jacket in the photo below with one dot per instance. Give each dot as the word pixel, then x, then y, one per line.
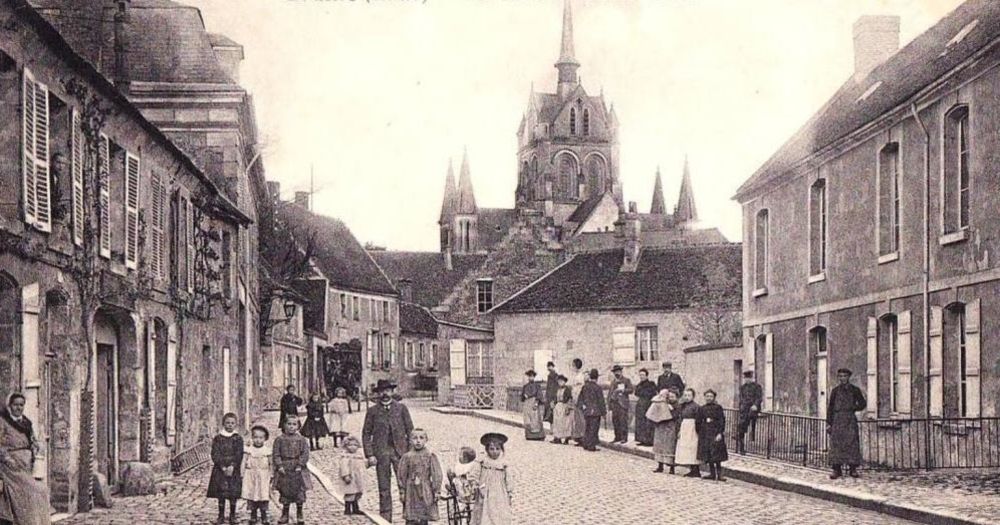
pixel 290 404
pixel 551 386
pixel 591 400
pixel 673 380
pixel 646 389
pixel 386 430
pixel 751 394
pixel 226 452
pixel 710 423
pixel 619 399
pixel 532 390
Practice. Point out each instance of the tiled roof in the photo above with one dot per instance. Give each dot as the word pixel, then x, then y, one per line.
pixel 666 279
pixel 430 281
pixel 651 238
pixel 493 225
pixel 927 58
pixel 338 254
pixel 415 319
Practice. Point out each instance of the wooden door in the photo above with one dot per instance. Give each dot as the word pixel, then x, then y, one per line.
pixel 106 414
pixel 821 384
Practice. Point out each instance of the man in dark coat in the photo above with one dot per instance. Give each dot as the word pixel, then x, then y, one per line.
pixel 289 406
pixel 619 403
pixel 551 387
pixel 645 390
pixel 751 397
pixel 668 379
pixel 842 425
pixel 385 438
pixel 711 427
pixel 591 403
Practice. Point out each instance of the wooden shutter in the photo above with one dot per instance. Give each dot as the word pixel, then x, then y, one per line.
pixel 31 381
pixel 104 195
pixel 972 359
pixel 871 369
pixel 768 372
pixel 623 345
pixel 457 358
pixel 28 147
pixel 936 346
pixel 171 422
pixel 226 386
pixel 131 211
pixel 157 202
pixel 189 219
pixel 150 366
pixel 903 357
pixel 79 208
pixel 35 149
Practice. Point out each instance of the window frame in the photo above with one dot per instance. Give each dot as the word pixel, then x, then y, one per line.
pixel 955 222
pixel 761 247
pixel 485 300
pixel 890 233
pixel 651 351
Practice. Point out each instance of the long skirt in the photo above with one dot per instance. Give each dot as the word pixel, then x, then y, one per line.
pixel 532 412
pixel 336 422
pixel 845 443
pixel 665 441
pixel 687 444
pixel 643 426
pixel 315 427
pixel 579 424
pixel 562 421
pixel 494 506
pixel 23 499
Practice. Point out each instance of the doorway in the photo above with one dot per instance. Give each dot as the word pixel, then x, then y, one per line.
pixel 821 375
pixel 106 413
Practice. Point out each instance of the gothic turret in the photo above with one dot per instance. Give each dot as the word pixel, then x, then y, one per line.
pixel 658 207
pixel 567 63
pixel 685 211
pixel 450 196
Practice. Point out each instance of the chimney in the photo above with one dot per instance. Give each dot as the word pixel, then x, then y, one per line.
pixel 302 199
pixel 632 232
pixel 228 54
pixel 121 45
pixel 876 38
pixel 405 287
pixel 274 190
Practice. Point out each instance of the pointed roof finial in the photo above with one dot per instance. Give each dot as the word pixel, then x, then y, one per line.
pixel 450 195
pixel 658 207
pixel 686 211
pixel 466 204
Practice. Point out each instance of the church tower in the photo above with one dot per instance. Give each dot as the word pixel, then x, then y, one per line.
pixel 686 213
pixel 459 221
pixel 567 142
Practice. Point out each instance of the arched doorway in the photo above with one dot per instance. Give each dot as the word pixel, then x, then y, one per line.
pixel 106 347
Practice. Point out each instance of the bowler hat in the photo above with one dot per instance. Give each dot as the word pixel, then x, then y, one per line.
pixel 616 368
pixel 492 437
pixel 530 373
pixel 668 364
pixel 383 384
pixel 594 373
pixel 845 371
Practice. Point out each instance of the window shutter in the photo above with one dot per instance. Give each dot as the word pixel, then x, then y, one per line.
pixel 371 350
pixel 157 198
pixel 171 422
pixel 150 365
pixel 191 243
pixel 768 372
pixel 79 214
pixel 972 359
pixel 103 167
pixel 43 204
pixel 457 355
pixel 131 211
pixel 904 343
pixel 871 370
pixel 623 345
pixel 28 146
pixel 936 343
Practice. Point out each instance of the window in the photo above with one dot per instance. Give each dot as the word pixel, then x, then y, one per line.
pixel 646 343
pixel 421 357
pixel 887 366
pixel 572 121
pixel 343 305
pixel 817 227
pixel 595 176
pixel 408 355
pixel 961 360
pixel 586 122
pixel 36 180
pixel 888 199
pixel 568 172
pixel 818 372
pixel 131 211
pixel 956 174
pixel 760 250
pixel 357 307
pixel 434 355
pixel 385 311
pixel 479 359
pixel 484 295
pixel 157 224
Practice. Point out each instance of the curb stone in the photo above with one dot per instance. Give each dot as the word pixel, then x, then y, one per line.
pixel 849 497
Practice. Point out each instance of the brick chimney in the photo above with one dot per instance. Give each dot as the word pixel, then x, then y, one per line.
pixel 405 287
pixel 632 233
pixel 876 38
pixel 302 199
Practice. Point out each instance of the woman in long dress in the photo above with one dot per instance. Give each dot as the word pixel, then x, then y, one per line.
pixel 661 413
pixel 532 408
pixel 644 392
pixel 687 434
pixel 337 416
pixel 712 436
pixel 23 499
pixel 579 424
pixel 562 412
pixel 491 477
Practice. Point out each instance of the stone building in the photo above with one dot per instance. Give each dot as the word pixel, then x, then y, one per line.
pixel 120 315
pixel 869 236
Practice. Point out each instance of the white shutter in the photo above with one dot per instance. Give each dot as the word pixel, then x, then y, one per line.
pixel 171 384
pixel 457 358
pixel 226 381
pixel 936 346
pixel 31 382
pixel 972 359
pixel 903 353
pixel 623 345
pixel 131 211
pixel 157 205
pixel 28 147
pixel 871 369
pixel 191 244
pixel 43 203
pixel 150 365
pixel 79 208
pixel 103 172
pixel 768 372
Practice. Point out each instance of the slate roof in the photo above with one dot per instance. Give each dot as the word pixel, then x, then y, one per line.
pixel 493 225
pixel 415 319
pixel 583 211
pixel 651 238
pixel 338 254
pixel 431 282
pixel 918 64
pixel 666 279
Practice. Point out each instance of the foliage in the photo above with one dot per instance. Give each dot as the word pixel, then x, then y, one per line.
pixel 717 319
pixel 286 252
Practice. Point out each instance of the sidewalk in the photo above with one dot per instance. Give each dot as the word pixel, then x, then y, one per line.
pixel 912 497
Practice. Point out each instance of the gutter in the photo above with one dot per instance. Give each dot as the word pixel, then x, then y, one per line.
pixel 925 284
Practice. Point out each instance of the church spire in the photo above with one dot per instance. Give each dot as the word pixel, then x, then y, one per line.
pixel 685 211
pixel 567 63
pixel 466 204
pixel 658 207
pixel 450 196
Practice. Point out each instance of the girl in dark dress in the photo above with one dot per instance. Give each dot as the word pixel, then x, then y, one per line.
pixel 315 427
pixel 711 426
pixel 226 482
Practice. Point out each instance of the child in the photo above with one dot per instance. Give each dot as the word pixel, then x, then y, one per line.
pixel 291 454
pixel 225 482
pixel 339 409
pixel 352 474
pixel 490 476
pixel 459 476
pixel 315 427
pixel 257 474
pixel 419 481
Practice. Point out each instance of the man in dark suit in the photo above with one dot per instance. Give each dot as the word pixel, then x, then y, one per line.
pixel 591 403
pixel 669 380
pixel 385 438
pixel 751 397
pixel 551 387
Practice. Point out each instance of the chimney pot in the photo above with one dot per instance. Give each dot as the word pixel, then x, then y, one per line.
pixel 876 38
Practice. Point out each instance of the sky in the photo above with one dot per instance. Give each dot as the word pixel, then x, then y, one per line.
pixel 373 97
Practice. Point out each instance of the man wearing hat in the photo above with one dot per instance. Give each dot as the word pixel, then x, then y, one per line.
pixel 385 438
pixel 842 425
pixel 591 404
pixel 669 380
pixel 751 396
pixel 618 402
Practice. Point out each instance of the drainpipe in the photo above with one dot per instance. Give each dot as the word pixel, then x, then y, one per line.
pixel 925 289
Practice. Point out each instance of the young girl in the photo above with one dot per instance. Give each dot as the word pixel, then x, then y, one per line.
pixel 352 474
pixel 291 454
pixel 419 481
pixel 459 476
pixel 315 427
pixel 491 477
pixel 225 482
pixel 257 474
pixel 339 409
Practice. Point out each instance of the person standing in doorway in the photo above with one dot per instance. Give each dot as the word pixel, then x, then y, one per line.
pixel 645 390
pixel 289 406
pixel 842 425
pixel 591 405
pixel 385 437
pixel 619 403
pixel 751 396
pixel 578 380
pixel 669 380
pixel 551 386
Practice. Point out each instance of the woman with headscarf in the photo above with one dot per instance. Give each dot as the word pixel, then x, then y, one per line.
pixel 662 414
pixel 23 500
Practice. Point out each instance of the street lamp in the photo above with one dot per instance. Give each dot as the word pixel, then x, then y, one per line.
pixel 289 310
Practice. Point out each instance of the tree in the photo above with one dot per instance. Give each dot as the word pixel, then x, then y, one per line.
pixel 286 252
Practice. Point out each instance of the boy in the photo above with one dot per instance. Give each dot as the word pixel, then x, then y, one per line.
pixel 419 481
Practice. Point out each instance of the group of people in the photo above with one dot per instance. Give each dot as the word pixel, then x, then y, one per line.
pixel 324 416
